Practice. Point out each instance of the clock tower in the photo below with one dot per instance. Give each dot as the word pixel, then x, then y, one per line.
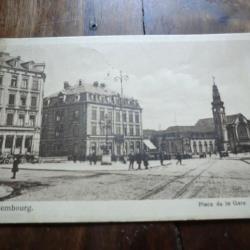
pixel 219 117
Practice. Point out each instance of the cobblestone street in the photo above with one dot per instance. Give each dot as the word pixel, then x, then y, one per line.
pixel 196 178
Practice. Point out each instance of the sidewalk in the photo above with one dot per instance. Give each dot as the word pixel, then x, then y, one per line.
pixel 80 166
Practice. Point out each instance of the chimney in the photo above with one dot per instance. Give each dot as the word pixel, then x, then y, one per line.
pixel 96 84
pixel 66 85
pixel 4 54
pixel 80 83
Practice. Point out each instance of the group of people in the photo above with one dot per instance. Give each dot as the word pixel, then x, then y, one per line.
pixel 139 158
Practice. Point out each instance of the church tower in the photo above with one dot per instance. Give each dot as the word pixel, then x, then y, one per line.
pixel 219 120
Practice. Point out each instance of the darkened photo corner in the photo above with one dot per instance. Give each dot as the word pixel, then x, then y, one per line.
pixel 124 120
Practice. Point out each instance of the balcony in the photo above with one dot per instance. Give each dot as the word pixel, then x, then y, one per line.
pixel 35 108
pixel 23 107
pixel 11 105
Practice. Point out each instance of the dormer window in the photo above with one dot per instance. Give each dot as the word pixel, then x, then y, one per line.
pixel 77 98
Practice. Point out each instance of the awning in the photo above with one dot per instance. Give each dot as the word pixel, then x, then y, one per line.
pixel 149 144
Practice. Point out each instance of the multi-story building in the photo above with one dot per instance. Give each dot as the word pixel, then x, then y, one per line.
pixel 87 118
pixel 21 94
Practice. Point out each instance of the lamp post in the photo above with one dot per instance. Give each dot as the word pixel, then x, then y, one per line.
pixel 106 157
pixel 121 78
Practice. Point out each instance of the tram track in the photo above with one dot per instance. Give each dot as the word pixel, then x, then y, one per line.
pixel 161 187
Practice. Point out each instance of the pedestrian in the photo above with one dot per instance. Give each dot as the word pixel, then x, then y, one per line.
pixel 179 159
pixel 15 167
pixel 131 159
pixel 138 160
pixel 74 158
pixel 94 157
pixel 162 158
pixel 90 159
pixel 145 160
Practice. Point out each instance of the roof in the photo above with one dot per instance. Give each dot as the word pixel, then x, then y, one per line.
pixel 8 61
pixel 205 125
pixel 179 129
pixel 83 88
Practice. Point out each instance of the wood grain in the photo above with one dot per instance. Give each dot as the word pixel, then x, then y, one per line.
pixel 116 17
pixel 196 17
pixel 32 18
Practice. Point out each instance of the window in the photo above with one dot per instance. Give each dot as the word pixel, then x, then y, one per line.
pixel 33 101
pixel 11 99
pixel 93 129
pixel 102 130
pixel 131 130
pixel 102 115
pixel 76 115
pixel 94 114
pixel 195 147
pixel 76 130
pixel 110 115
pixel 24 83
pixel 124 116
pixel 131 117
pixel 10 119
pixel 32 121
pixel 1 80
pixel 23 100
pixel 118 117
pixel 125 131
pixel 57 132
pixel 118 129
pixel 59 115
pixel 13 82
pixel 19 140
pixel 137 131
pixel 242 131
pixel 35 84
pixel 137 118
pixel 28 143
pixel 9 141
pixel 21 119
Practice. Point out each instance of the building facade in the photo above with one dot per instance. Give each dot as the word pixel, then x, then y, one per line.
pixel 186 140
pixel 232 131
pixel 87 118
pixel 210 135
pixel 21 94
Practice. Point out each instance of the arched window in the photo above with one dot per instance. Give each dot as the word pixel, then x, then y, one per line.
pixel 195 147
pixel 242 131
pixel 211 147
pixel 205 145
pixel 200 147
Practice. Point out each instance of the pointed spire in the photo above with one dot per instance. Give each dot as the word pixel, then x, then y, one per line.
pixel 216 94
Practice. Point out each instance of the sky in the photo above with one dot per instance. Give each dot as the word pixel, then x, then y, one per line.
pixel 171 76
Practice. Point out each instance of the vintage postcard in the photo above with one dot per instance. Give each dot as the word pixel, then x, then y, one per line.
pixel 124 128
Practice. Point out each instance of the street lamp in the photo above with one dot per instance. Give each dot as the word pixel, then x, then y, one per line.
pixel 121 78
pixel 106 157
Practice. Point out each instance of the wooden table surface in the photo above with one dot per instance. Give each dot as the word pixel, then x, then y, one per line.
pixel 36 18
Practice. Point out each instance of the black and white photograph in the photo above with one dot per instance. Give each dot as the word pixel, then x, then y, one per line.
pixel 125 120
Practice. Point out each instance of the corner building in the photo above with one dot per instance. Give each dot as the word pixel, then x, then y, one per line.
pixel 86 118
pixel 21 95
